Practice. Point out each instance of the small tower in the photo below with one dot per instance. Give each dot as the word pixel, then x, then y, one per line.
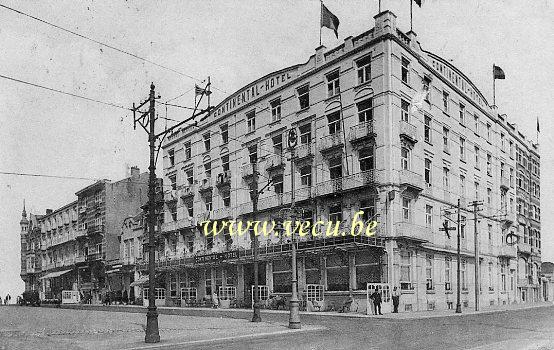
pixel 24 223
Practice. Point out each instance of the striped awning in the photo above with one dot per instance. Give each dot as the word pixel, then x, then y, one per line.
pixel 54 274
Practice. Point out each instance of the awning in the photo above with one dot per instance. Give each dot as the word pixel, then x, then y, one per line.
pixel 140 281
pixel 112 271
pixel 54 274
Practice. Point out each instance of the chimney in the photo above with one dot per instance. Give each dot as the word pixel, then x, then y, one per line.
pixel 135 172
pixel 49 211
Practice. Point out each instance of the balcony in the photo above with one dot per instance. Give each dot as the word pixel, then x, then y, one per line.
pixel 505 183
pixel 508 218
pixel 408 131
pixel 304 152
pixel 222 213
pixel 173 226
pixel 186 191
pixel 522 282
pixel 524 248
pixel 95 229
pixel 331 142
pixel 361 133
pixel 248 170
pixel 274 201
pixel 80 233
pixel 411 180
pixel 275 162
pixel 223 179
pixel 346 183
pixel 507 251
pixel 80 259
pixel 170 195
pixel 410 231
pixel 205 185
pixel 95 256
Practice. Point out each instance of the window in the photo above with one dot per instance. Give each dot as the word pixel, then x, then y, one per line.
pixel 463 227
pixel 462 149
pixel 489 230
pixel 365 111
pixel 224 133
pixel 502 142
pixel 304 96
pixel 511 149
pixel 405 158
pixel 405 111
pixel 282 276
pixel 209 242
pixel 251 121
pixel 488 132
pixel 253 153
pixel 406 270
pixel 306 175
pixel 429 272
pixel 491 284
pixel 462 186
pixel 489 197
pixel 445 133
pixel 333 86
pixel 275 110
pixel 428 128
pixel 463 276
pixel 225 163
pixel 277 144
pixel 335 168
pixel 190 208
pixel 173 212
pixel 476 185
pixel 446 179
pixel 447 273
pixel 335 213
pixel 405 70
pixel 173 285
pixel 208 202
pixel 188 150
pixel 428 167
pixel 207 141
pixel 366 157
pixel 278 183
pixel 445 101
pixel 337 272
pixel 476 157
pixel 312 268
pixel 173 182
pixel 426 87
pixel 368 269
pixel 305 134
pixel 208 169
pixel 226 196
pixel 476 125
pixel 364 69
pixel 334 123
pixel 171 156
pixel 503 275
pixel 462 114
pixel 367 206
pixel 429 216
pixel 406 209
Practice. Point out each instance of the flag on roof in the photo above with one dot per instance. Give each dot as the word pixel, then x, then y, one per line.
pixel 498 73
pixel 329 20
pixel 199 91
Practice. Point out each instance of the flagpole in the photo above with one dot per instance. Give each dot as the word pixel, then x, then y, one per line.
pixel 493 87
pixel 209 93
pixel 379 6
pixel 411 15
pixel 320 20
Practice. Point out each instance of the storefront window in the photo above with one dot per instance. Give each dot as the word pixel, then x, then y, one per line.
pixel 282 276
pixel 231 275
pixel 337 272
pixel 311 268
pixel 208 282
pixel 367 269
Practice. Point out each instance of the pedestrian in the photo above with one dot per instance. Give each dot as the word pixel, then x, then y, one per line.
pixel 215 300
pixel 376 296
pixel 395 299
pixel 9 297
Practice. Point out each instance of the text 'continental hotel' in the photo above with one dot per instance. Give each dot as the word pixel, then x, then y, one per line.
pixel 384 127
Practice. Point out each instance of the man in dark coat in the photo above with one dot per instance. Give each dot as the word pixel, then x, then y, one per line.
pixel 376 296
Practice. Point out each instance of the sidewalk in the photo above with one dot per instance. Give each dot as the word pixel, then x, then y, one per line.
pixel 239 313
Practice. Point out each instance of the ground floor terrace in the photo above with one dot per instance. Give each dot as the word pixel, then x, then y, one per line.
pixel 334 270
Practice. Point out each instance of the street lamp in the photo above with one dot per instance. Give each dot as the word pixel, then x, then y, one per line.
pixel 294 317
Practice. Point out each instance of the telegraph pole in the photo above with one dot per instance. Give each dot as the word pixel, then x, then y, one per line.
pixel 294 317
pixel 147 121
pixel 458 258
pixel 256 316
pixel 475 205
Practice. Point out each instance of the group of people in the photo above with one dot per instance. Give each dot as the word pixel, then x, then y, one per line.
pixel 7 299
pixel 377 301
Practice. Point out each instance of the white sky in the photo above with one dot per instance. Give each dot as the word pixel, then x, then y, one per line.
pixel 235 42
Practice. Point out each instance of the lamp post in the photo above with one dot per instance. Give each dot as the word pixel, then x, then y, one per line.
pixel 294 317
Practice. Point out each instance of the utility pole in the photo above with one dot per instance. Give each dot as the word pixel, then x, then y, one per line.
pixel 256 317
pixel 294 317
pixel 458 258
pixel 475 205
pixel 147 121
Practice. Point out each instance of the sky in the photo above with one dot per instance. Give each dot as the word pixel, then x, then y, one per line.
pixel 234 42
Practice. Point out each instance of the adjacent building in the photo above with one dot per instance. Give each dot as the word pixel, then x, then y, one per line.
pixel 75 246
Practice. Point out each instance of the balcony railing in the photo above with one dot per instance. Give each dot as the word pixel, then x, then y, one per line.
pixel 275 162
pixel 248 170
pixel 350 182
pixel 273 201
pixel 524 247
pixel 412 231
pixel 505 182
pixel 507 251
pixel 411 179
pixel 408 130
pixel 170 195
pixel 330 142
pixel 361 132
pixel 304 151
pixel 205 185
pixel 95 256
pixel 223 179
pixel 186 191
pixel 179 224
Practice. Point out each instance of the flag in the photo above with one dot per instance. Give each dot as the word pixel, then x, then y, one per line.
pixel 418 2
pixel 497 72
pixel 538 126
pixel 199 91
pixel 329 20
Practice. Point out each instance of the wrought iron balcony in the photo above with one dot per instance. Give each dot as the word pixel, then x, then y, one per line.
pixel 275 162
pixel 304 152
pixel 362 132
pixel 331 142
